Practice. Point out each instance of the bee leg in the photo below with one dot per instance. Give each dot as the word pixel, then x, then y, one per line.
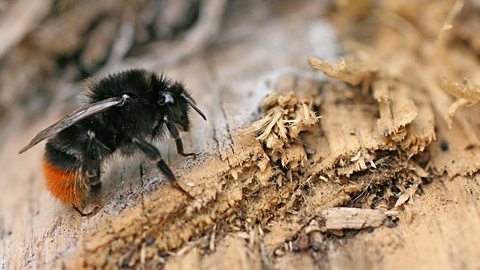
pixel 96 197
pixel 154 156
pixel 176 136
pixel 92 172
pixel 91 213
pixel 79 211
pixel 92 159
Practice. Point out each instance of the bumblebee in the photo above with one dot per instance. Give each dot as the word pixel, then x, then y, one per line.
pixel 122 113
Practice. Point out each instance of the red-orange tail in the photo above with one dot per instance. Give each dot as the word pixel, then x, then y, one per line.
pixel 66 186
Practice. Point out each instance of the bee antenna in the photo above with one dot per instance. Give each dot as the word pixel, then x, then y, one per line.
pixel 194 107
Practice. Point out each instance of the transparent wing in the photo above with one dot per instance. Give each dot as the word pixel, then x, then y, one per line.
pixel 75 116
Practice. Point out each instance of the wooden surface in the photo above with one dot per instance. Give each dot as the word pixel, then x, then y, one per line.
pixel 438 228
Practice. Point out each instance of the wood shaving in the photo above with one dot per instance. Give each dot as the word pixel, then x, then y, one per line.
pixel 466 94
pixel 352 218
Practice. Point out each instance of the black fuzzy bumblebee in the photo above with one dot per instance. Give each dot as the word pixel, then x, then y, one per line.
pixel 123 111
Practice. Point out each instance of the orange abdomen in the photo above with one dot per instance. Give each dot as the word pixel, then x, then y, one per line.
pixel 66 186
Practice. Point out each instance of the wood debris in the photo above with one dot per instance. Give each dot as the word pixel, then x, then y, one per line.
pixel 466 94
pixel 352 71
pixel 352 218
pixel 285 117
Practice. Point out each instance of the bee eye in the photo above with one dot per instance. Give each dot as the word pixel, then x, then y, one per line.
pixel 161 101
pixel 165 98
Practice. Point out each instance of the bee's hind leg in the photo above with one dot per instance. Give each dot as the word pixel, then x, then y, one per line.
pixel 91 171
pixel 95 199
pixel 89 214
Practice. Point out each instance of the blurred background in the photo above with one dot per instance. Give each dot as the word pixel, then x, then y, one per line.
pixel 48 47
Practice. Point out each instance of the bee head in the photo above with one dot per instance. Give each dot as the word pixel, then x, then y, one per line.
pixel 177 102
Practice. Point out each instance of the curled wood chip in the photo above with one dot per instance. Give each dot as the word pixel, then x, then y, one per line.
pixel 467 93
pixel 447 25
pixel 352 71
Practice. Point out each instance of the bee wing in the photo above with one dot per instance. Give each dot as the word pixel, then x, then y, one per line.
pixel 75 116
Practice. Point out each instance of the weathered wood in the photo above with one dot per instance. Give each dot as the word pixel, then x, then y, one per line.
pixel 437 228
